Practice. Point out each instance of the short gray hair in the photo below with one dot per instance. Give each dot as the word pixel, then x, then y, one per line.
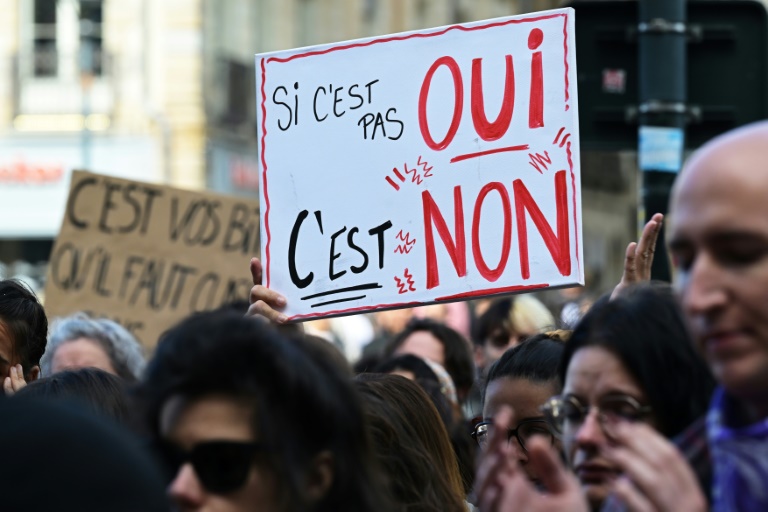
pixel 124 351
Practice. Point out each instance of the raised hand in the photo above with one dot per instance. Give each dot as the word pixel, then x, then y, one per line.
pixel 639 256
pixel 265 303
pixel 14 381
pixel 502 486
pixel 656 476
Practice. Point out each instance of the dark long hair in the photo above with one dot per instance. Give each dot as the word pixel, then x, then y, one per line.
pixel 458 355
pixel 94 389
pixel 412 445
pixel 302 407
pixel 645 330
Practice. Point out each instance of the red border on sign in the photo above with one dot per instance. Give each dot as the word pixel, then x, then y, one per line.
pixel 388 40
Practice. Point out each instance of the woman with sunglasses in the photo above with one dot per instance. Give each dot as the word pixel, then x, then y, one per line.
pixel 629 360
pixel 523 378
pixel 246 421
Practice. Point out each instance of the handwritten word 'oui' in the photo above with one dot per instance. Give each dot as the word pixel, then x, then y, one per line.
pixel 487 130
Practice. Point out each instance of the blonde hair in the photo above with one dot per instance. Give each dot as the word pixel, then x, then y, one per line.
pixel 529 316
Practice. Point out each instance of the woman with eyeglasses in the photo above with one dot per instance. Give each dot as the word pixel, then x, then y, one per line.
pixel 245 421
pixel 629 360
pixel 523 378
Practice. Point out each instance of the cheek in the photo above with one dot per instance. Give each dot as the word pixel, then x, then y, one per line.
pixel 262 488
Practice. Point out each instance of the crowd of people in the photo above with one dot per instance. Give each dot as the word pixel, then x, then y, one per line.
pixel 654 399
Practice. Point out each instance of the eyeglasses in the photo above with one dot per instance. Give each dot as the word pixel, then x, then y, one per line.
pixel 523 432
pixel 567 413
pixel 221 466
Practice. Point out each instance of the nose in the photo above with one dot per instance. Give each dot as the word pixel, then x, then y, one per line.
pixel 185 490
pixel 590 434
pixel 701 288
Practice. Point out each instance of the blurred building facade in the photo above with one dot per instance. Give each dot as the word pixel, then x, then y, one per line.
pixel 163 91
pixel 155 90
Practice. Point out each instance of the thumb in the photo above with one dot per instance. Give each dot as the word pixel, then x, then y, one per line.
pixel 256 271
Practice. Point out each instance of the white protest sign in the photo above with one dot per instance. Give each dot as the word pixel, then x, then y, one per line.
pixel 422 167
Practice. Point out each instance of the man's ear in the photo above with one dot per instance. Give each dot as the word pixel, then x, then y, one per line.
pixel 33 373
pixel 320 475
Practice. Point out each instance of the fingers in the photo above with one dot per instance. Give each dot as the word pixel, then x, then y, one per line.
pixel 647 246
pixel 633 499
pixel 544 461
pixel 497 463
pixel 265 302
pixel 630 263
pixel 15 380
pixel 256 271
pixel 501 425
pixel 656 469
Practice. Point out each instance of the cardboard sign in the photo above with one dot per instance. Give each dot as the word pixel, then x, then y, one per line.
pixel 148 255
pixel 422 167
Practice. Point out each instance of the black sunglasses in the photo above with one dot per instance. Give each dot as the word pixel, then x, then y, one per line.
pixel 221 466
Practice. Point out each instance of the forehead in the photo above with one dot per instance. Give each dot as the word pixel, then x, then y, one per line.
pixel 723 188
pixel 190 420
pixel 524 396
pixel 594 371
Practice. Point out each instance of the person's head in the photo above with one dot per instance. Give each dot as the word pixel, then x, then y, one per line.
pixel 409 366
pixel 79 341
pixel 60 457
pixel 318 348
pixel 439 343
pixel 629 359
pixel 524 378
pixel 507 322
pixel 411 444
pixel 718 241
pixel 94 389
pixel 246 417
pixel 442 393
pixel 23 329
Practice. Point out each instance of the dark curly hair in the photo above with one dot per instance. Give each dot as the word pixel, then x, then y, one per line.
pixel 301 407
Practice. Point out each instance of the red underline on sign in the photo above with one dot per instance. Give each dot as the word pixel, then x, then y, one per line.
pixel 521 147
pixel 492 291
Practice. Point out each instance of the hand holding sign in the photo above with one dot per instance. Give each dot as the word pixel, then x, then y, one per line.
pixel 264 302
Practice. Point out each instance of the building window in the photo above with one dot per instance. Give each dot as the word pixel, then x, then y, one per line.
pixel 67 38
pixel 91 54
pixel 44 38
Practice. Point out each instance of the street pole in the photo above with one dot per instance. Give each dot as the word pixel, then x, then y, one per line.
pixel 662 36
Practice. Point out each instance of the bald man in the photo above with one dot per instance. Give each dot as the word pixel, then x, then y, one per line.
pixel 718 240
